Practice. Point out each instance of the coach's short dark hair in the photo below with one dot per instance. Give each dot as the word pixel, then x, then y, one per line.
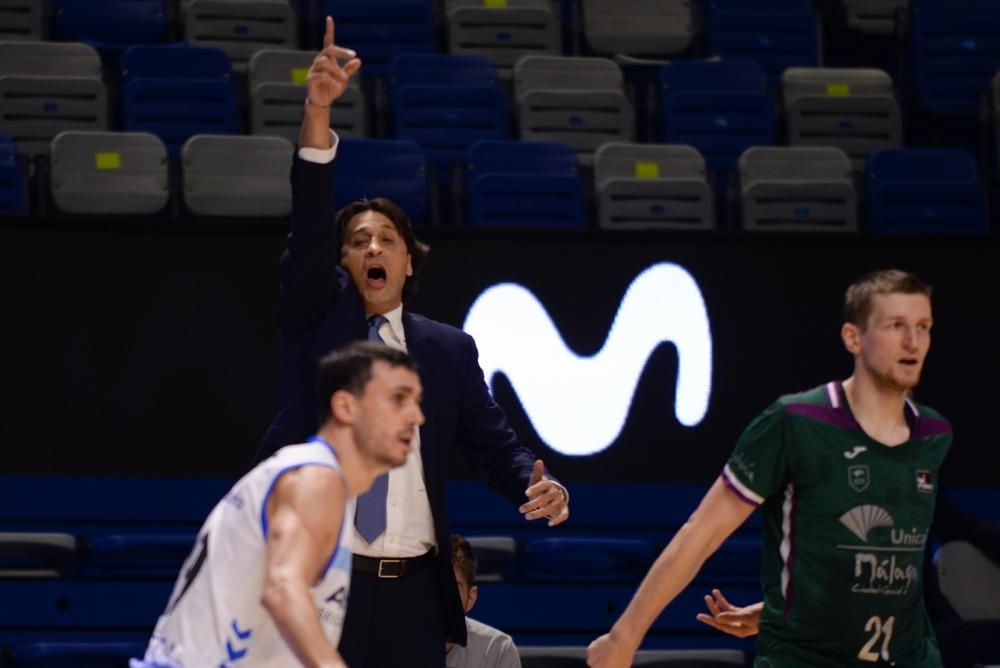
pixel 858 299
pixel 350 368
pixel 418 249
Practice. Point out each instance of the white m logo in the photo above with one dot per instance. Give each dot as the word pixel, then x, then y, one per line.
pixel 578 405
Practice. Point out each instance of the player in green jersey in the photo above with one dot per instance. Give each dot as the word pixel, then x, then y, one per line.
pixel 846 476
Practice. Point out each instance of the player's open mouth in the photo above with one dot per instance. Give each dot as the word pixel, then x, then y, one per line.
pixel 908 362
pixel 376 277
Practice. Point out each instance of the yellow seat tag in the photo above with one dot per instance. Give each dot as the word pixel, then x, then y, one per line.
pixel 299 75
pixel 838 90
pixel 495 4
pixel 108 160
pixel 647 170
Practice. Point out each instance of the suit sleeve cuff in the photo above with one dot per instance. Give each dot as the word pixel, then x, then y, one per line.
pixel 320 155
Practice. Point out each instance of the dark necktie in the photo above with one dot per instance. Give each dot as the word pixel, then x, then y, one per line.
pixel 370 516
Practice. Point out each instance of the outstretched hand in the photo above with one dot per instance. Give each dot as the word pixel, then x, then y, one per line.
pixel 545 498
pixel 327 78
pixel 731 619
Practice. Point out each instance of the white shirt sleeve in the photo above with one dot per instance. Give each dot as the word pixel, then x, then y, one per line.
pixel 322 156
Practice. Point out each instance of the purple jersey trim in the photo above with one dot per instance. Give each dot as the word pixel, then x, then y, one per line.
pixel 735 490
pixel 790 564
pixel 835 416
pixel 927 427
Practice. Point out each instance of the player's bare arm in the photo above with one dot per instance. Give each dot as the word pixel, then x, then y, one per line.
pixel 326 81
pixel 718 515
pixel 303 529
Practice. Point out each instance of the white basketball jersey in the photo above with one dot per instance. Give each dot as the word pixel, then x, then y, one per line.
pixel 215 618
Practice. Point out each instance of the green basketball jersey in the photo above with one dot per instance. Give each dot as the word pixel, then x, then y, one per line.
pixel 845 524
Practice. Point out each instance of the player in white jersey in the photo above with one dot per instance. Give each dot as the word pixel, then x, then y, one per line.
pixel 267 582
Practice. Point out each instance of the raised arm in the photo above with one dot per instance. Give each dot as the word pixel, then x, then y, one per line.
pixel 303 529
pixel 308 267
pixel 718 515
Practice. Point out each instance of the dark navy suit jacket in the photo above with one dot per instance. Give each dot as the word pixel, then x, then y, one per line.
pixel 321 310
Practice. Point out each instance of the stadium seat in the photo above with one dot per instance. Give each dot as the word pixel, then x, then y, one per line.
pixel 36 554
pixel 594 559
pixel 798 188
pixel 573 657
pixel 720 108
pixel 76 654
pixel 396 169
pixel 968 580
pixel 576 101
pixel 775 34
pixel 277 92
pixel 446 103
pixel 110 21
pixel 380 30
pixel 929 190
pixel 996 115
pixel 854 110
pixel 524 184
pixel 649 186
pixel 494 556
pixel 639 27
pixel 237 176
pixel 22 20
pixel 12 185
pixel 109 172
pixel 240 28
pixel 503 32
pixel 176 92
pixel 955 52
pixel 48 87
pixel 132 555
pixel 875 17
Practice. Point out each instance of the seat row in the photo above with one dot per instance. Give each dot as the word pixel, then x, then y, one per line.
pixel 515 184
pixel 445 103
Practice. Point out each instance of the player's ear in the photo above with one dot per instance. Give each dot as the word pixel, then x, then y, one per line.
pixel 343 406
pixel 850 334
pixel 473 595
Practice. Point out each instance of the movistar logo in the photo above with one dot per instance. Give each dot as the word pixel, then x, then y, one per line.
pixel 578 405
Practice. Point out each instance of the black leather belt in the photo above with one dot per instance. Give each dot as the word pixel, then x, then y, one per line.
pixel 393 569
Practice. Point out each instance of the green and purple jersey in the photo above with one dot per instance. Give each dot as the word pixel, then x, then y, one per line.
pixel 845 524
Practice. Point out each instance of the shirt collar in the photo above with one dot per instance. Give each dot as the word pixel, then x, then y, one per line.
pixel 395 318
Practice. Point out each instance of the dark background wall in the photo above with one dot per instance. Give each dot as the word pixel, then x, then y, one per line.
pixel 138 348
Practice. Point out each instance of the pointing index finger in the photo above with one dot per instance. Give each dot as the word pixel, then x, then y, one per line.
pixel 328 35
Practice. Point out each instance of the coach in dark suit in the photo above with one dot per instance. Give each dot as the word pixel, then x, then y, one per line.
pixel 344 277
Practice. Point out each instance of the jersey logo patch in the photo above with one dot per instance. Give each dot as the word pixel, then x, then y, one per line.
pixel 862 519
pixel 925 482
pixel 855 451
pixel 859 477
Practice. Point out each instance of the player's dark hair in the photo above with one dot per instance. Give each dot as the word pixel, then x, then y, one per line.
pixel 859 297
pixel 418 249
pixel 461 556
pixel 350 368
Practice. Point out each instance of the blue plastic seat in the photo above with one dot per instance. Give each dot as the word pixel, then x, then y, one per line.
pixel 76 654
pixel 775 34
pixel 955 52
pixel 593 559
pixel 380 30
pixel 395 169
pixel 175 92
pixel 110 21
pixel 446 104
pixel 524 184
pixel 720 108
pixel 918 191
pixel 11 178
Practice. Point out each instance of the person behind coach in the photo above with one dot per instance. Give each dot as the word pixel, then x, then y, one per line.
pixel 404 598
